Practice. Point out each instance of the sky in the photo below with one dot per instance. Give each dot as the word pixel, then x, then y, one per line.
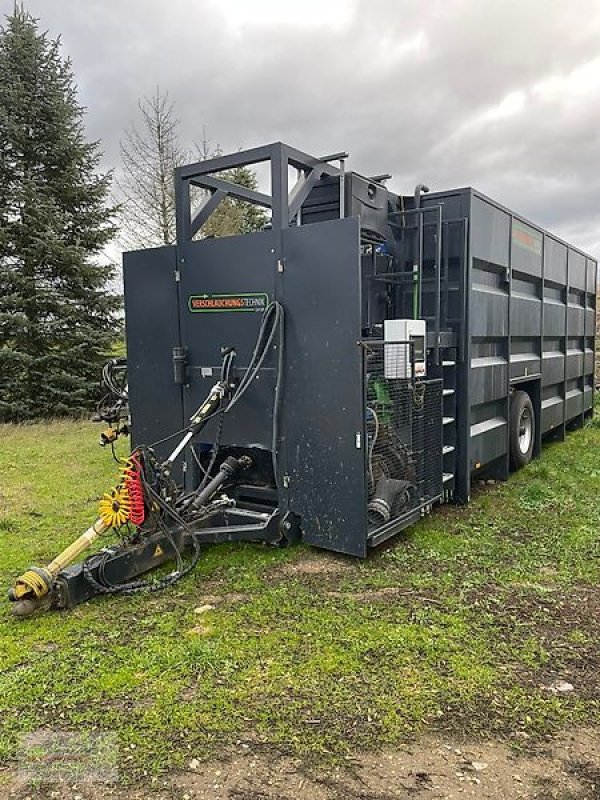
pixel 502 95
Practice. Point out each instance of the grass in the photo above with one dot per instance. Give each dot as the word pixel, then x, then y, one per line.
pixel 462 623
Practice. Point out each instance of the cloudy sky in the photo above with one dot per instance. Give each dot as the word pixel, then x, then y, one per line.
pixel 503 95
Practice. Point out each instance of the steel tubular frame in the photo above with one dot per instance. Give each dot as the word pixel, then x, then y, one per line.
pixel 284 204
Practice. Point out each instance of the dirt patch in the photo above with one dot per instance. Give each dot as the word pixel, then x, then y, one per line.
pixel 564 625
pixel 208 597
pixel 387 594
pixel 567 768
pixel 230 599
pixel 315 563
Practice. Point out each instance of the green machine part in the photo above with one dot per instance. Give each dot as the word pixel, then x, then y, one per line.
pixel 382 399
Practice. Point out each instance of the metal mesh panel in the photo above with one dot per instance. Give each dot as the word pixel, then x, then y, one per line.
pixel 404 434
pixel 427 437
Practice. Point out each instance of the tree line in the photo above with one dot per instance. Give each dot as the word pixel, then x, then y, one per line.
pixel 60 314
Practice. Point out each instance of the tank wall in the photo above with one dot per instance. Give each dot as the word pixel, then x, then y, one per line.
pixel 532 322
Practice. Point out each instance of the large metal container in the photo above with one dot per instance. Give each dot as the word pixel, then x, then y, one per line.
pixel 508 307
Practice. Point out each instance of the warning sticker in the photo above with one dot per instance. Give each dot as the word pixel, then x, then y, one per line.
pixel 253 301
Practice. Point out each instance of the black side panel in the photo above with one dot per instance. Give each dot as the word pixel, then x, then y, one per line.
pixel 235 265
pixel 323 422
pixel 151 310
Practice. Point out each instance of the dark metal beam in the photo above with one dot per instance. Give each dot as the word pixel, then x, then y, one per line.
pixel 202 174
pixel 279 191
pixel 182 209
pixel 301 191
pixel 385 176
pixel 203 213
pixel 341 156
pixel 232 189
pixel 303 161
pixel 241 159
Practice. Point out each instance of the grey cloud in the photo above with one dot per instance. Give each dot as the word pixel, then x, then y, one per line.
pixel 498 94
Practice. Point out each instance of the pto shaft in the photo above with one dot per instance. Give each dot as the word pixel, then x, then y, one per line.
pixel 37 581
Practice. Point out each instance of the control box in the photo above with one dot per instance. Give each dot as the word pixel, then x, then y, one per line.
pixel 398 332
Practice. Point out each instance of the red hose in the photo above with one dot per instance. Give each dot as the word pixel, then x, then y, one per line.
pixel 133 485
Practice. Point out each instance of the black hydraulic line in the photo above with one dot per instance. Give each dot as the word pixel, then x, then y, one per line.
pixel 260 350
pixel 271 324
pixel 277 399
pixel 226 369
pixel 214 452
pixel 228 469
pixel 197 502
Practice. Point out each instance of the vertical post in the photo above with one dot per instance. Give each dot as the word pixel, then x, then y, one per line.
pixel 299 174
pixel 420 218
pixel 445 257
pixel 463 364
pixel 438 286
pixel 538 407
pixel 342 188
pixel 183 212
pixel 279 188
pixel 566 344
pixel 279 223
pixel 505 471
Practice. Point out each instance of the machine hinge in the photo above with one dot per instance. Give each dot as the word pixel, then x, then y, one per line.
pixel 358 440
pixel 177 276
pixel 180 365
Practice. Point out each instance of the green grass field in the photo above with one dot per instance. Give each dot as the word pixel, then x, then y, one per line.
pixel 464 623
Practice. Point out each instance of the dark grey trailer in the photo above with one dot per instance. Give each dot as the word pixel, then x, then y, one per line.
pixel 427 338
pixel 522 304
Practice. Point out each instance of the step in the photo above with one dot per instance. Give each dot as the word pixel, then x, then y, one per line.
pixel 447 420
pixel 448 363
pixel 448 392
pixel 448 476
pixel 448 448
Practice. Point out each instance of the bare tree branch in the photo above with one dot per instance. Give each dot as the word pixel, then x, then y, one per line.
pixel 150 151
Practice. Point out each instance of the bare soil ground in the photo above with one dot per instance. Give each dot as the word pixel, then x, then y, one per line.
pixel 566 768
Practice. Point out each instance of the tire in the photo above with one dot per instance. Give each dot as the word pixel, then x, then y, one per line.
pixel 522 430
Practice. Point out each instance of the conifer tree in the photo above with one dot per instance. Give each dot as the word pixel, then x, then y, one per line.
pixel 236 216
pixel 57 313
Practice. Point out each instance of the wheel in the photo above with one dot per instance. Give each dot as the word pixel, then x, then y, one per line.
pixel 522 429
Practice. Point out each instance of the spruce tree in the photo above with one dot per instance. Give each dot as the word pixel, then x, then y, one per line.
pixel 57 313
pixel 236 216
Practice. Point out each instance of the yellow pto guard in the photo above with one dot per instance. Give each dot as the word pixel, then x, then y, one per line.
pixel 32 586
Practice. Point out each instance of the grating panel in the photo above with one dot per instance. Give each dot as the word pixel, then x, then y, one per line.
pixel 404 434
pixel 428 437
